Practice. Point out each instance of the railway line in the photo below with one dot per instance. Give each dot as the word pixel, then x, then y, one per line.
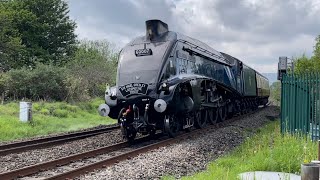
pixel 109 155
pixel 174 83
pixel 51 141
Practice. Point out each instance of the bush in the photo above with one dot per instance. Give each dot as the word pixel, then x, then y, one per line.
pixel 49 83
pixel 60 113
pixel 44 82
pixel 19 83
pixel 93 66
pixel 84 77
pixel 76 89
pixel 45 111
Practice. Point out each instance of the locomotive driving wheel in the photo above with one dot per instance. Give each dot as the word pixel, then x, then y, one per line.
pixel 222 110
pixel 200 118
pixel 171 125
pixel 213 115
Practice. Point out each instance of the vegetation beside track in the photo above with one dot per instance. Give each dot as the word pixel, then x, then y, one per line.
pixel 49 117
pixel 267 150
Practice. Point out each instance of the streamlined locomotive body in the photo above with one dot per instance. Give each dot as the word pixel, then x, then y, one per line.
pixel 167 81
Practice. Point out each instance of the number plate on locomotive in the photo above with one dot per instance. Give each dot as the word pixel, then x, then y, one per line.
pixel 133 88
pixel 143 52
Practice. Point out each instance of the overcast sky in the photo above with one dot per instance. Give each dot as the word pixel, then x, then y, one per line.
pixel 255 31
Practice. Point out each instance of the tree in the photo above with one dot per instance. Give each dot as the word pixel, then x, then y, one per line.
pixel 317 48
pixel 94 65
pixel 11 49
pixel 33 31
pixel 49 35
pixel 304 64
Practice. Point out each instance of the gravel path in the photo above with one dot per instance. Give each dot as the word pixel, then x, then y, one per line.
pixel 15 161
pixel 187 157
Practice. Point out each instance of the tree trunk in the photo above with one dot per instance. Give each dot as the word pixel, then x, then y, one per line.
pixel 2 98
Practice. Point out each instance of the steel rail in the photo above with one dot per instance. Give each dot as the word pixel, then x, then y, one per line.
pixel 128 155
pixel 66 160
pixel 49 141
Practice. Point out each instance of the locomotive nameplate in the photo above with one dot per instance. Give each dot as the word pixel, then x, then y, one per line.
pixel 143 52
pixel 133 88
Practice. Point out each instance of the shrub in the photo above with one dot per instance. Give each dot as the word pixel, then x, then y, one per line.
pixel 76 89
pixel 60 113
pixel 44 82
pixel 18 83
pixel 84 77
pixel 48 83
pixel 45 111
pixel 94 65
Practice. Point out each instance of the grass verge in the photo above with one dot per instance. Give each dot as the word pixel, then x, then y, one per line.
pixel 49 118
pixel 267 150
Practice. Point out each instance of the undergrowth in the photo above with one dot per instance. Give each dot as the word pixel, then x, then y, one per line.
pixel 49 117
pixel 268 150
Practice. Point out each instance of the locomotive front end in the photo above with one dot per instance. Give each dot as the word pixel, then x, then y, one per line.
pixel 134 100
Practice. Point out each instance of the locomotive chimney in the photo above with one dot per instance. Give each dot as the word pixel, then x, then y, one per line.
pixel 155 28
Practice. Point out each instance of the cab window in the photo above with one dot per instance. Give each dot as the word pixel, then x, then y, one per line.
pixel 170 68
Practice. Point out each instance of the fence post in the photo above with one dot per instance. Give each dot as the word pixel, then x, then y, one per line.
pixel 315 103
pixel 318 150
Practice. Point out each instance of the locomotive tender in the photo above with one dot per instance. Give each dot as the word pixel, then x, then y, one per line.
pixel 167 81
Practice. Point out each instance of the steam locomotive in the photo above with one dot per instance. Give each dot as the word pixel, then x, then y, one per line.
pixel 170 82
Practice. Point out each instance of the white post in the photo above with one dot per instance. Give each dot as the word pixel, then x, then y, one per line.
pixel 25 111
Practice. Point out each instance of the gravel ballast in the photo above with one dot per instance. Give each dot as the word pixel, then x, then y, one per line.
pixel 15 161
pixel 189 156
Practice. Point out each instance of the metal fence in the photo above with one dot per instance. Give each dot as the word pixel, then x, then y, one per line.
pixel 300 104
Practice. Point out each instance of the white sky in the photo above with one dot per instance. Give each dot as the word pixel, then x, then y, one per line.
pixel 255 31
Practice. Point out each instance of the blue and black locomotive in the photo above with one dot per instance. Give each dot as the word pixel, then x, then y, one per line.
pixel 170 82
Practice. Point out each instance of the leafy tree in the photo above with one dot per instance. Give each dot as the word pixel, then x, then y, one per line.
pixel 95 64
pixel 304 64
pixel 52 39
pixel 45 29
pixel 11 49
pixel 317 48
pixel 34 31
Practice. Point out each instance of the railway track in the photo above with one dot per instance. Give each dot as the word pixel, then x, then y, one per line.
pixel 29 170
pixel 50 141
pixel 107 160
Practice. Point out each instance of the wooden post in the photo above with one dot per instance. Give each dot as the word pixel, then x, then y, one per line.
pixel 309 171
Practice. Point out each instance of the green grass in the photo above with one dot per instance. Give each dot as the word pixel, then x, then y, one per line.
pixel 49 118
pixel 267 150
